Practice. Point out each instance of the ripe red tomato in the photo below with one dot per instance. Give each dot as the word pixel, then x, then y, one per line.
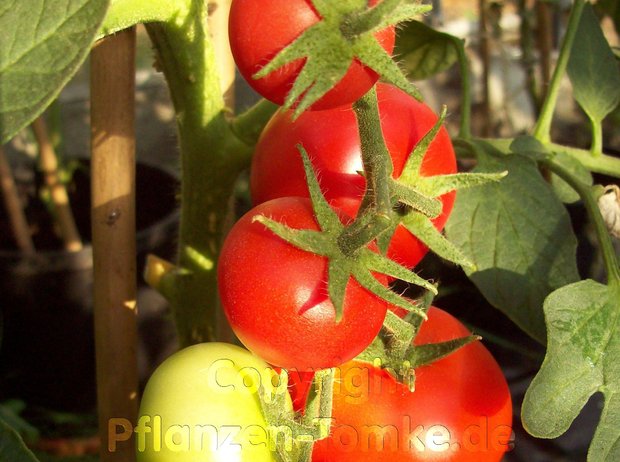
pixel 275 295
pixel 331 139
pixel 259 29
pixel 460 410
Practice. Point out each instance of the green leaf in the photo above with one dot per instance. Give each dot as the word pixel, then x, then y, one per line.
pixel 12 448
pixel 519 236
pixel 126 13
pixel 10 413
pixel 424 52
pixel 530 146
pixel 582 359
pixel 593 70
pixel 42 44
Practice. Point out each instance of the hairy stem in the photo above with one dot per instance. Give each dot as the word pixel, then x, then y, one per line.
pixel 318 409
pixel 602 163
pixel 374 215
pixel 211 158
pixel 249 125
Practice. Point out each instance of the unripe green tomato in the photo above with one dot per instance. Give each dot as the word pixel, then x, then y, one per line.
pixel 202 405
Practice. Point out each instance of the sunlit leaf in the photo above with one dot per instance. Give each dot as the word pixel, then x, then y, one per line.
pixel 42 44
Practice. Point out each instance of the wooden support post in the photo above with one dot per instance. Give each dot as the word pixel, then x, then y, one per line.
pixel 114 241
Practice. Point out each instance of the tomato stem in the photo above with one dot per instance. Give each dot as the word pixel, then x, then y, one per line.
pixel 597 138
pixel 602 163
pixel 211 159
pixel 542 130
pixel 249 125
pixel 374 215
pixel 585 192
pixel 465 125
pixel 319 409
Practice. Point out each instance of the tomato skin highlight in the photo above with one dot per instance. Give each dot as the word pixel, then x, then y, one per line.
pixel 275 295
pixel 202 404
pixel 460 410
pixel 259 29
pixel 332 141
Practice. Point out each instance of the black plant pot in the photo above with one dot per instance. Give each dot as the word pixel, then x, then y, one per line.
pixel 47 355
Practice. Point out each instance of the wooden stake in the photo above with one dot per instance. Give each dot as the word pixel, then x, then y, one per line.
pixel 114 238
pixel 14 209
pixel 58 193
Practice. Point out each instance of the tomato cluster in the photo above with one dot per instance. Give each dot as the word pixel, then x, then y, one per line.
pixel 276 296
pixel 332 141
pixel 263 277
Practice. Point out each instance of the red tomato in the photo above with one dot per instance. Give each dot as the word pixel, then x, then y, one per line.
pixel 332 142
pixel 259 29
pixel 275 295
pixel 460 410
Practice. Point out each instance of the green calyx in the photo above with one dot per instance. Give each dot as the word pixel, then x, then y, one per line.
pixel 415 200
pixel 393 349
pixel 344 34
pixel 301 430
pixel 359 265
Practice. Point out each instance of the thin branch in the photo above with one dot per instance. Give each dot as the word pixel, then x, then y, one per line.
pixel 58 193
pixel 15 211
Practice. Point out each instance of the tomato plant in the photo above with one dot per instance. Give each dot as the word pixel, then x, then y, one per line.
pixel 259 29
pixel 262 277
pixel 202 404
pixel 460 409
pixel 306 309
pixel 333 144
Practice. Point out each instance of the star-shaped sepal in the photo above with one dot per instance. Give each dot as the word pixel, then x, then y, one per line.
pixel 359 265
pixel 413 214
pixel 393 349
pixel 344 34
